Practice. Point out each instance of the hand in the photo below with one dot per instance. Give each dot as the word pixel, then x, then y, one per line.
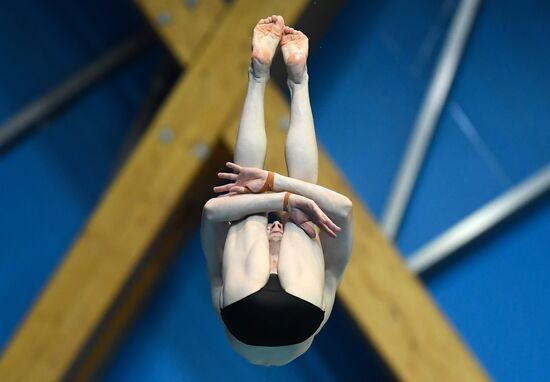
pixel 303 210
pixel 245 180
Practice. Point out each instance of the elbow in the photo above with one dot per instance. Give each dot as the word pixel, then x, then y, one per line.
pixel 209 210
pixel 343 209
pixel 347 207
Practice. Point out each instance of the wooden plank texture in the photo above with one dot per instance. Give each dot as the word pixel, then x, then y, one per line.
pixel 180 225
pixel 139 201
pixel 191 22
pixel 388 303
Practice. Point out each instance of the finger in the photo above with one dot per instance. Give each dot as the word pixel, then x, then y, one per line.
pixel 332 226
pixel 227 175
pixel 329 231
pixel 328 226
pixel 308 229
pixel 239 189
pixel 325 220
pixel 223 188
pixel 235 167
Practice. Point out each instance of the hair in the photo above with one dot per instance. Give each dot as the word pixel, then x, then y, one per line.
pixel 272 217
pixel 280 216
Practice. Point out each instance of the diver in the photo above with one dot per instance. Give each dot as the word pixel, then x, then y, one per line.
pixel 273 283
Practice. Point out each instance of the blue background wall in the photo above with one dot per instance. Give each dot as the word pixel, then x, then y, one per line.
pixel 368 76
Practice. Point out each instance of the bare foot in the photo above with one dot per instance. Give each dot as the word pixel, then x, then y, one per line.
pixel 295 46
pixel 265 39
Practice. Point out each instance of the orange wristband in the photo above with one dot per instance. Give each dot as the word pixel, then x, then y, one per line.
pixel 285 201
pixel 268 185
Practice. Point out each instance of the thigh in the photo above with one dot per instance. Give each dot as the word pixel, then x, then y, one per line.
pixel 301 265
pixel 245 266
pixel 301 162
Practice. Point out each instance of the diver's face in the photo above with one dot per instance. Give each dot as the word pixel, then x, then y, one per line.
pixel 275 231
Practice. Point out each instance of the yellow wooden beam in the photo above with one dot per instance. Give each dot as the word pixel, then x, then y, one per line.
pixel 389 304
pixel 139 202
pixel 180 225
pixel 191 22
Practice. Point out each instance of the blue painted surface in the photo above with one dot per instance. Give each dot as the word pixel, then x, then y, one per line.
pixel 368 77
pixel 51 182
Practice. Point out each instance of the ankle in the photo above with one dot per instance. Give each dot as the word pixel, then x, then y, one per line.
pixel 296 80
pixel 258 72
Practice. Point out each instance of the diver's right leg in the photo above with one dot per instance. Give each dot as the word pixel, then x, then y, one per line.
pixel 250 148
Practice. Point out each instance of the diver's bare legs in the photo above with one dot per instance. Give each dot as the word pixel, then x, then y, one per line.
pixel 301 144
pixel 250 148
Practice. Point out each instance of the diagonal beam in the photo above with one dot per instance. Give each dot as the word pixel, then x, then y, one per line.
pixel 139 202
pixel 428 116
pixel 191 21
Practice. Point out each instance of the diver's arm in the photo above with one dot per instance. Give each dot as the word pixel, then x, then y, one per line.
pixel 256 180
pixel 336 206
pixel 213 236
pixel 301 210
pixel 236 207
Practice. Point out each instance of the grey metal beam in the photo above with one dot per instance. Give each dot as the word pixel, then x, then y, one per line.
pixel 27 118
pixel 480 221
pixel 428 116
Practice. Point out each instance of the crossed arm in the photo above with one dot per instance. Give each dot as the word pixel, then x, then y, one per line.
pixel 329 210
pixel 247 180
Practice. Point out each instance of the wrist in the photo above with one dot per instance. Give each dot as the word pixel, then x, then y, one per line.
pixel 278 183
pixel 268 185
pixel 286 201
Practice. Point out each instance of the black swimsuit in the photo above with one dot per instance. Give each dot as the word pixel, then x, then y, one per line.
pixel 272 317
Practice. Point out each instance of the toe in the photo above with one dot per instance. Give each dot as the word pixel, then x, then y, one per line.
pixel 279 20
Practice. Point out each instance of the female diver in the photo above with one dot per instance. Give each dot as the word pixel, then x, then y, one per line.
pixel 274 284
